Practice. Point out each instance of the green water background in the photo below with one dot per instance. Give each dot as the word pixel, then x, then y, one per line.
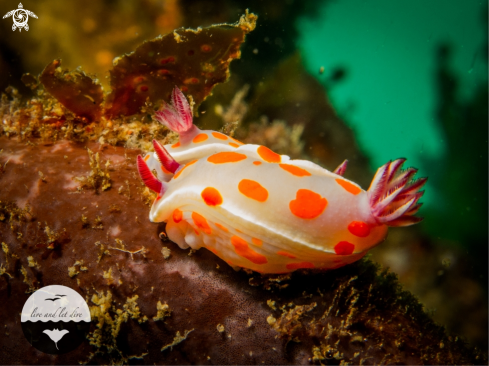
pixel 390 95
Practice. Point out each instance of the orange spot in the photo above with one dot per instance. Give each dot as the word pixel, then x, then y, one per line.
pixel 211 196
pixel 299 265
pixel 285 254
pixel 191 81
pixel 241 247
pixel 344 248
pixel 177 215
pixel 183 168
pixel 175 145
pixel 349 187
pixel 167 60
pixel 219 136
pixel 295 170
pixel 201 223
pixel 196 232
pixel 147 157
pixel 226 157
pixel 199 138
pixel 166 171
pixel 163 72
pixel 307 204
pixel 205 48
pixel 233 144
pixel 359 228
pixel 256 241
pixel 257 162
pixel 223 228
pixel 253 190
pixel 213 250
pixel 268 155
pixel 158 197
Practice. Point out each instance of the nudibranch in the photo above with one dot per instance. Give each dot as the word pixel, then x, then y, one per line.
pixel 263 211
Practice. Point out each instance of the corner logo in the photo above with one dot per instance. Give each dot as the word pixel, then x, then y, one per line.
pixel 55 319
pixel 20 17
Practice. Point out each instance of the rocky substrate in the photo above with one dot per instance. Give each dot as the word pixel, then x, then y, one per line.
pixel 68 217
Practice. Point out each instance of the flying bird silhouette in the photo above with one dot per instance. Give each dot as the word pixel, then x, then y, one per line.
pixel 54 299
pixel 59 295
pixel 55 335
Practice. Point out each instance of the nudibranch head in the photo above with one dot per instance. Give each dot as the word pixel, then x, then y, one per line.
pixel 260 210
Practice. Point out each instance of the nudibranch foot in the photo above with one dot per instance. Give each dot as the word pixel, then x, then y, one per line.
pixel 394 195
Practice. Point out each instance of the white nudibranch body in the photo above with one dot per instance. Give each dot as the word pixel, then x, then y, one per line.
pixel 260 210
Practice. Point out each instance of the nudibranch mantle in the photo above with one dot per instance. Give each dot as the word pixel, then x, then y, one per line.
pixel 263 211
